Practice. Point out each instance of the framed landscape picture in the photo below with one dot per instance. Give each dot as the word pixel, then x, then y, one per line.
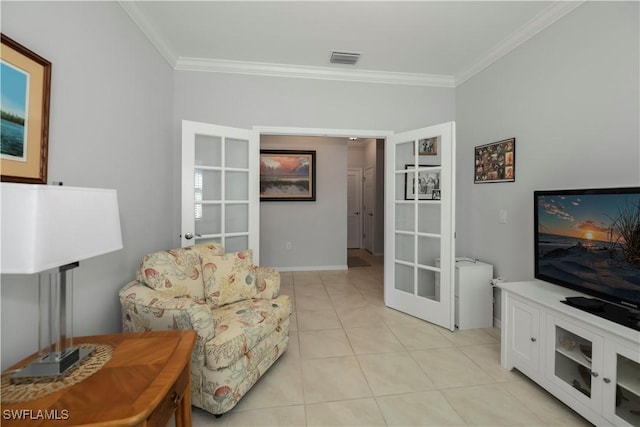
pixel 495 162
pixel 427 187
pixel 25 82
pixel 287 175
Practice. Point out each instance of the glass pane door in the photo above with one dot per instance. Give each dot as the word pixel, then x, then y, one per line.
pixel 419 223
pixel 220 186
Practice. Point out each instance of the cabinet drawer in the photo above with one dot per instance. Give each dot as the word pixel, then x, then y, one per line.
pixel 170 401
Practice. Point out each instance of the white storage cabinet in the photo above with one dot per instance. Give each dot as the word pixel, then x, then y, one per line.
pixel 474 294
pixel 589 363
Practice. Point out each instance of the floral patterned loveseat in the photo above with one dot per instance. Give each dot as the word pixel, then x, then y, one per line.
pixel 242 324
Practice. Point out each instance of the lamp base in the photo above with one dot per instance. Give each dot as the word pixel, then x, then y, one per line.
pixel 52 365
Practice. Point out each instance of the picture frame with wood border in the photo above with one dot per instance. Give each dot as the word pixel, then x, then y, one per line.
pixel 26 92
pixel 287 175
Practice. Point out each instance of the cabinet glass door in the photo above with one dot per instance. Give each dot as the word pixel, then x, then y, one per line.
pixel 622 386
pixel 576 362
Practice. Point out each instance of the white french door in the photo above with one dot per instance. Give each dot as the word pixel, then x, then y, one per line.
pixel 220 186
pixel 419 223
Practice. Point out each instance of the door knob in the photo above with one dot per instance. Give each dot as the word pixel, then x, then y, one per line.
pixel 188 236
pixel 370 214
pixel 533 340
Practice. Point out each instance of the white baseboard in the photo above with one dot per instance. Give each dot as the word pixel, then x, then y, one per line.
pixel 312 268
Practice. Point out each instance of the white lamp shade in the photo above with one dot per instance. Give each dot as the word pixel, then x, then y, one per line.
pixel 47 226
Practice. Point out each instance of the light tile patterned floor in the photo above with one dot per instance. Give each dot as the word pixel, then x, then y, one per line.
pixel 353 362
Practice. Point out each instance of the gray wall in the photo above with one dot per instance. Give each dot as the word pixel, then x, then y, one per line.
pixel 247 101
pixel 110 127
pixel 355 156
pixel 316 230
pixel 570 97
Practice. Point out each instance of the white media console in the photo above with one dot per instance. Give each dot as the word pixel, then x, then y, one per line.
pixel 589 363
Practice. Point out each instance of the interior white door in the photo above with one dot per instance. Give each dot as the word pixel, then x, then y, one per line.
pixel 368 209
pixel 354 208
pixel 419 223
pixel 220 186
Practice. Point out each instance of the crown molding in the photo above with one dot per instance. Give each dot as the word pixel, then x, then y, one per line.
pixel 272 69
pixel 337 133
pixel 308 72
pixel 542 20
pixel 131 8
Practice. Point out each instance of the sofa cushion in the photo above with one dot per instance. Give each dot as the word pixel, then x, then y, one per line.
pixel 267 282
pixel 177 272
pixel 241 326
pixel 228 278
pixel 212 248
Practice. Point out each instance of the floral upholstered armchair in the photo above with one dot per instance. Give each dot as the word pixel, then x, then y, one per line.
pixel 242 324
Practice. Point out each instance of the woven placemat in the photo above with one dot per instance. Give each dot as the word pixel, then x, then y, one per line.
pixel 30 389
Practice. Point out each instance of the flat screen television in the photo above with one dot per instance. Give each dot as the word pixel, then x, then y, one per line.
pixel 589 241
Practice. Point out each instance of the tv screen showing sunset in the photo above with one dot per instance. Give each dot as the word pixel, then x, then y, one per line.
pixel 591 241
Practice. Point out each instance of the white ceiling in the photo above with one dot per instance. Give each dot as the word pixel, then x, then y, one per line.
pixel 432 43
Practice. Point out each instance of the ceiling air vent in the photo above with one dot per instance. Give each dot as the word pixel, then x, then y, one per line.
pixel 348 58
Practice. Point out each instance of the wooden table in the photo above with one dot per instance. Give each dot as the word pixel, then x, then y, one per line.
pixel 147 379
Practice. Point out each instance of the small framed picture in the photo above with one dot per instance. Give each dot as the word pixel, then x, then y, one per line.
pixel 495 162
pixel 428 146
pixel 427 186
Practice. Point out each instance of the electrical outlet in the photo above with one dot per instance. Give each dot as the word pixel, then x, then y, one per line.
pixel 502 216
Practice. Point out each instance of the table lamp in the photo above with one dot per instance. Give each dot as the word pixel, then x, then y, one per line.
pixel 49 229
